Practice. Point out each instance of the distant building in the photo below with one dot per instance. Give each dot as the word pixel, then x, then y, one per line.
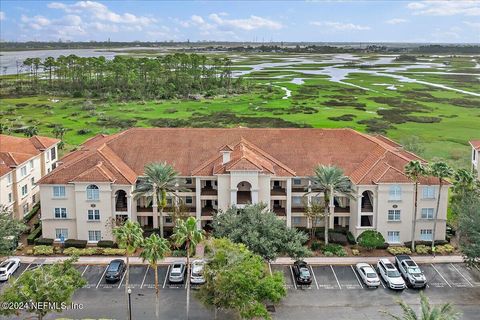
pixel 475 156
pixel 234 167
pixel 23 161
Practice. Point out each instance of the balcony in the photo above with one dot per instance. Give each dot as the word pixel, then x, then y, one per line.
pixel 299 189
pixel 208 191
pixel 278 191
pixel 121 209
pixel 298 209
pixel 144 209
pixel 280 211
pixel 342 210
pixel 208 211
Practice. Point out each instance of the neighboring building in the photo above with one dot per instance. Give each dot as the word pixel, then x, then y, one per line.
pixel 23 161
pixel 475 155
pixel 226 167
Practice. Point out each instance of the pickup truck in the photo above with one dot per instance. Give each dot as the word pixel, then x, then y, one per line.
pixel 410 271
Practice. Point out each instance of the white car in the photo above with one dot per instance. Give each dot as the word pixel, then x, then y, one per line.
pixel 8 267
pixel 196 276
pixel 390 274
pixel 368 275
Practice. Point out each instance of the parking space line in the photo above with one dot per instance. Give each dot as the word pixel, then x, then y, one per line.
pixel 461 274
pixel 335 275
pixel 26 268
pixel 123 277
pixel 166 277
pixel 440 275
pixel 356 277
pixel 84 270
pixel 145 276
pixel 100 280
pixel 314 278
pixel 293 278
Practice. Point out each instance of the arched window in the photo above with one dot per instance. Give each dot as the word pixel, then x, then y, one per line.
pixel 93 192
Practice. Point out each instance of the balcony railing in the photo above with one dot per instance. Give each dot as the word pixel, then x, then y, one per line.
pixel 208 191
pixel 342 210
pixel 208 211
pixel 280 211
pixel 298 209
pixel 299 189
pixel 277 191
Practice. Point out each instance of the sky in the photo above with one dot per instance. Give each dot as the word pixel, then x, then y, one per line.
pixel 260 21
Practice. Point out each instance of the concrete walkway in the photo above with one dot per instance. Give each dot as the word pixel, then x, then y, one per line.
pixel 281 260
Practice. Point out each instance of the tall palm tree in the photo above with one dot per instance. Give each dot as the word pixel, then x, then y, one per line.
pixel 130 237
pixel 186 233
pixel 463 182
pixel 415 170
pixel 159 179
pixel 442 312
pixel 440 170
pixel 154 249
pixel 330 180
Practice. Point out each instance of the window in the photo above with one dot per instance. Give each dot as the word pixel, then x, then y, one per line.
pixel 428 192
pixel 188 181
pixel 427 213
pixel 59 192
pixel 426 234
pixel 23 171
pixel 94 214
pixel 31 164
pixel 393 236
pixel 60 213
pixel 24 190
pixel 474 153
pixel 9 178
pixel 296 200
pixel 93 192
pixel 34 198
pixel 47 154
pixel 53 153
pixel 168 220
pixel 395 193
pixel 32 180
pixel 10 198
pixel 94 235
pixel 297 181
pixel 296 220
pixel 315 200
pixel 393 215
pixel 169 201
pixel 60 232
pixel 188 200
pixel 25 208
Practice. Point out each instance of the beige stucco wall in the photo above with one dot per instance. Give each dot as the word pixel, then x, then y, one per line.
pixel 264 189
pixel 48 205
pixel 223 183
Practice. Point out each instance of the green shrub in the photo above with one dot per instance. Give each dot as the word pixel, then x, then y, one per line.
pixel 37 232
pixel 114 252
pixel 371 239
pixel 43 250
pixel 355 252
pixel 32 213
pixel 421 249
pixel 106 244
pixel 339 238
pixel 179 253
pixel 43 241
pixel 351 238
pixel 399 250
pixel 335 249
pixel 316 245
pixel 328 254
pixel 80 252
pixel 75 243
pixel 446 248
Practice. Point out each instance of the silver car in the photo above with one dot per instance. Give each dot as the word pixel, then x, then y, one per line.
pixel 196 276
pixel 8 267
pixel 177 272
pixel 368 275
pixel 390 275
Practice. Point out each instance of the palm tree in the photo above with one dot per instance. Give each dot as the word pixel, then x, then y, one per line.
pixel 186 233
pixel 415 170
pixel 130 237
pixel 159 179
pixel 59 131
pixel 31 131
pixel 463 182
pixel 154 249
pixel 440 170
pixel 330 180
pixel 442 312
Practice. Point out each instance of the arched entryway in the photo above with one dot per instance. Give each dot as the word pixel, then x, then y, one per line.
pixel 367 201
pixel 121 203
pixel 244 193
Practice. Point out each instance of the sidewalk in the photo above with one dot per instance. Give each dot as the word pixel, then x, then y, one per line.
pixel 280 260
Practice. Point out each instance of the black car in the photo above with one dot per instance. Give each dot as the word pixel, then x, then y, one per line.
pixel 301 273
pixel 115 270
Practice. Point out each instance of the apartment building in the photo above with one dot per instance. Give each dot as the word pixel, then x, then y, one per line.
pixel 475 155
pixel 235 167
pixel 23 161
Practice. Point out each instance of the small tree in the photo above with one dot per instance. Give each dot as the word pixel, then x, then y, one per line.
pixel 237 279
pixel 10 230
pixel 30 131
pixel 469 226
pixel 53 285
pixel 371 239
pixel 427 312
pixel 313 212
pixel 261 231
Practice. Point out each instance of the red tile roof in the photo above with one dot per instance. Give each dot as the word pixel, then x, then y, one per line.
pixel 16 150
pixel 475 144
pixel 197 151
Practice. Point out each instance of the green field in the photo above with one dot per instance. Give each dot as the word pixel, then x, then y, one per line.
pixel 443 119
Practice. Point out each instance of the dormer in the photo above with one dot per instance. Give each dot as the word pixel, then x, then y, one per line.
pixel 226 151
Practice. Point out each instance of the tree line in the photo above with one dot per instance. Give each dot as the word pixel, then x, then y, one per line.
pixel 164 77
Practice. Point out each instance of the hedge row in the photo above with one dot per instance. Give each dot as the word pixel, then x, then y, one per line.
pixel 32 213
pixel 426 243
pixel 73 243
pixel 34 235
pixel 49 250
pixel 43 241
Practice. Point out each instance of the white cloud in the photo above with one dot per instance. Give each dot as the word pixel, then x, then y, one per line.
pixel 251 23
pixel 340 26
pixel 396 21
pixel 2 15
pixel 65 27
pixel 475 25
pixel 446 8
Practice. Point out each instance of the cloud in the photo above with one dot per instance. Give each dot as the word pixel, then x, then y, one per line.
pixel 2 15
pixel 475 25
pixel 66 27
pixel 445 8
pixel 396 21
pixel 251 23
pixel 339 26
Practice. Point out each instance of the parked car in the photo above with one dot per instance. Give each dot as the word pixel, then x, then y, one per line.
pixel 301 273
pixel 390 274
pixel 410 271
pixel 115 270
pixel 8 267
pixel 196 276
pixel 177 272
pixel 368 275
